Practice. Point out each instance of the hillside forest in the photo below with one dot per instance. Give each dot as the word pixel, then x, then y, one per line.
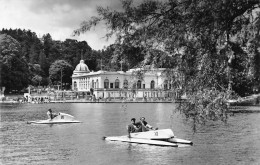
pixel 26 59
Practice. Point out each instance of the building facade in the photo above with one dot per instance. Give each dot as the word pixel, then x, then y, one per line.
pixel 107 84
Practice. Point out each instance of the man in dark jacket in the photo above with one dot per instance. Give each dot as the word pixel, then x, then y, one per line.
pixel 132 127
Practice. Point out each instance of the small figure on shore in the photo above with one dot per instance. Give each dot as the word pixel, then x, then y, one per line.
pixel 50 114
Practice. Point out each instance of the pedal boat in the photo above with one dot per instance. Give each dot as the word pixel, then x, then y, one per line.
pixel 62 118
pixel 163 137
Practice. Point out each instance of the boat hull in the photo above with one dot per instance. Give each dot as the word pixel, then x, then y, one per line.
pixel 154 134
pixel 62 118
pixel 52 122
pixel 163 137
pixel 179 141
pixel 141 141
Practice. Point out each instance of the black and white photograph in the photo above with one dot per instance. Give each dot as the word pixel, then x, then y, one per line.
pixel 130 82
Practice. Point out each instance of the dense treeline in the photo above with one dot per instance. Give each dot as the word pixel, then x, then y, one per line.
pixel 37 55
pixel 27 59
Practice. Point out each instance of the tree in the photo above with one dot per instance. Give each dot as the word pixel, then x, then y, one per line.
pixel 36 69
pixel 43 62
pixel 37 80
pixel 47 44
pixel 206 41
pixel 33 55
pixel 60 71
pixel 14 69
pixel 29 42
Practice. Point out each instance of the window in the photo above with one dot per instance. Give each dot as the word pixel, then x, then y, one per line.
pixel 139 84
pixel 117 83
pixel 165 85
pixel 143 86
pixel 125 84
pixel 97 85
pixel 75 85
pixel 152 84
pixel 93 84
pixel 111 85
pixel 106 83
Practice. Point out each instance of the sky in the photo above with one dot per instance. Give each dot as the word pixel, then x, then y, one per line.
pixel 57 17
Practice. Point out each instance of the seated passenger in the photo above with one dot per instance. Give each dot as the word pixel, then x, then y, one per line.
pixel 131 127
pixel 143 126
pixel 51 115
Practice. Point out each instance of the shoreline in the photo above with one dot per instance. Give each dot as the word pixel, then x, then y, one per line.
pixel 86 101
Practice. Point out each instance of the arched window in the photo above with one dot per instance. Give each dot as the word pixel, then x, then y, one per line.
pixel 139 83
pixel 75 85
pixel 93 84
pixel 125 84
pixel 117 83
pixel 97 85
pixel 106 83
pixel 152 84
pixel 165 86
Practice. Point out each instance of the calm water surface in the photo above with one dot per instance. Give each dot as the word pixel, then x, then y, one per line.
pixel 236 142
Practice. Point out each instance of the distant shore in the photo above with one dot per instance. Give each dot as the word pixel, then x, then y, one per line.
pixel 44 98
pixel 96 101
pixel 245 109
pixel 247 105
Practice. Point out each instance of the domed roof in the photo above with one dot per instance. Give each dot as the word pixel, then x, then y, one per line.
pixel 81 68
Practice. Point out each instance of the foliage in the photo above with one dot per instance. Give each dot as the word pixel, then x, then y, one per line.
pixel 136 75
pixel 36 74
pixel 212 45
pixel 14 69
pixel 37 80
pixel 39 53
pixel 59 71
pixel 206 104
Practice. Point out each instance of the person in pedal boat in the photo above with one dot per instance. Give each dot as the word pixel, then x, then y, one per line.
pixel 143 126
pixel 132 127
pixel 50 114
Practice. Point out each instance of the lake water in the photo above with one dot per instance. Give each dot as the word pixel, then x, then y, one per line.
pixel 236 142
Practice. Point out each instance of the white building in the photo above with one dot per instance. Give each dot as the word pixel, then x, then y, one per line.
pixel 106 84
